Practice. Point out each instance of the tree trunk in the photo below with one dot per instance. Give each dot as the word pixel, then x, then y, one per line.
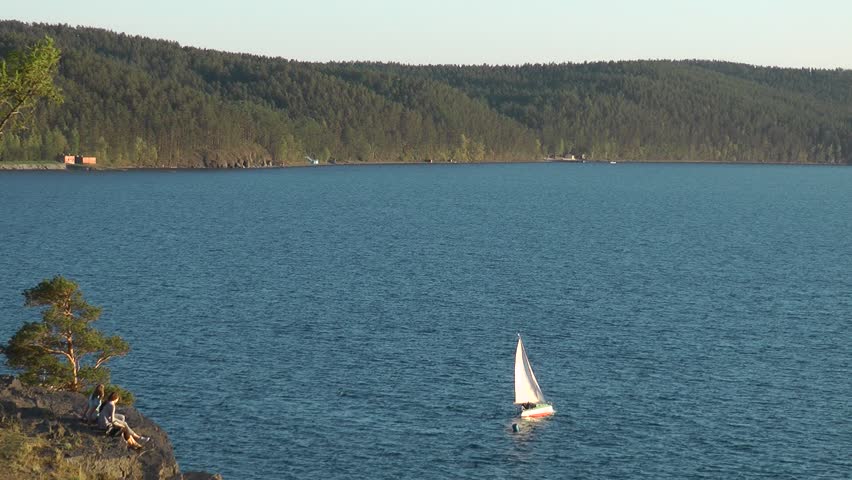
pixel 75 366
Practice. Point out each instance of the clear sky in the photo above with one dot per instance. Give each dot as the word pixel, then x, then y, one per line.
pixel 788 33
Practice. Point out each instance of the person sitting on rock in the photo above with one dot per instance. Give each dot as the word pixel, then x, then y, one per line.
pixel 93 406
pixel 109 418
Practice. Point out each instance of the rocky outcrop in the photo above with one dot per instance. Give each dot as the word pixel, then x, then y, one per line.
pixel 43 436
pixel 247 156
pixel 32 166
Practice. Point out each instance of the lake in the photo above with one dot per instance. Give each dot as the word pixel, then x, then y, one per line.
pixel 686 321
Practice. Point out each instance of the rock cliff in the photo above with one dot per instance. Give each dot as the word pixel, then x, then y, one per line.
pixel 41 436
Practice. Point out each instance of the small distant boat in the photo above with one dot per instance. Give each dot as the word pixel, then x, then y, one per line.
pixel 612 163
pixel 527 392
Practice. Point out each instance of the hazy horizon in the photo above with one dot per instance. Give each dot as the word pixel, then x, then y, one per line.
pixel 785 34
pixel 236 52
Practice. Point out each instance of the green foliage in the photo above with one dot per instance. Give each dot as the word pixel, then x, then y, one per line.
pixel 136 101
pixel 662 110
pixel 62 351
pixel 25 79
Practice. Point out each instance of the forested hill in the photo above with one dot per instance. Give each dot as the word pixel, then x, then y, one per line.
pixel 136 101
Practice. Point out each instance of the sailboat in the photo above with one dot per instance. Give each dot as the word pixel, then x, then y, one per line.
pixel 527 392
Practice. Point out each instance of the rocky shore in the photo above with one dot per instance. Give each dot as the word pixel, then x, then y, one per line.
pixel 32 166
pixel 41 436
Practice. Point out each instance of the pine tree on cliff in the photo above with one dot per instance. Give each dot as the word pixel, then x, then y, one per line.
pixel 62 351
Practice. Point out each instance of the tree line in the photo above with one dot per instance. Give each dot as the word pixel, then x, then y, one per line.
pixel 133 101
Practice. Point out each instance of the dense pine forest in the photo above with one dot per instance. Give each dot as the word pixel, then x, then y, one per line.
pixel 133 101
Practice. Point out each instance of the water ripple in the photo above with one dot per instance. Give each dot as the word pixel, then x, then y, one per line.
pixel 688 321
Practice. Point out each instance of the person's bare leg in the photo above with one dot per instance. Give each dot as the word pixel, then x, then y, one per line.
pixel 127 429
pixel 128 437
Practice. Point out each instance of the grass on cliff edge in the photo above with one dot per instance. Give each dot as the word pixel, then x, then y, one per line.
pixel 34 456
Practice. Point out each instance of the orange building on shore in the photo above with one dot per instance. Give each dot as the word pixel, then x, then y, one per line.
pixel 77 160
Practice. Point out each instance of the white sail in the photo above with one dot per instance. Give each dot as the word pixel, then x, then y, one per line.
pixel 526 386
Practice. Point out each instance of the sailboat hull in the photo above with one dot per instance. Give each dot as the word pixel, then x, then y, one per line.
pixel 537 411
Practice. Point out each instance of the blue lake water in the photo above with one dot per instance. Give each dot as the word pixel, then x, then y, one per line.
pixel 687 321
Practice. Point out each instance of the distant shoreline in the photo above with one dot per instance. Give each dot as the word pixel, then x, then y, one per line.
pixel 188 107
pixel 32 166
pixel 60 167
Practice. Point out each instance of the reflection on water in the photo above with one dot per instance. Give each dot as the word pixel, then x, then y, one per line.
pixel 525 429
pixel 529 440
